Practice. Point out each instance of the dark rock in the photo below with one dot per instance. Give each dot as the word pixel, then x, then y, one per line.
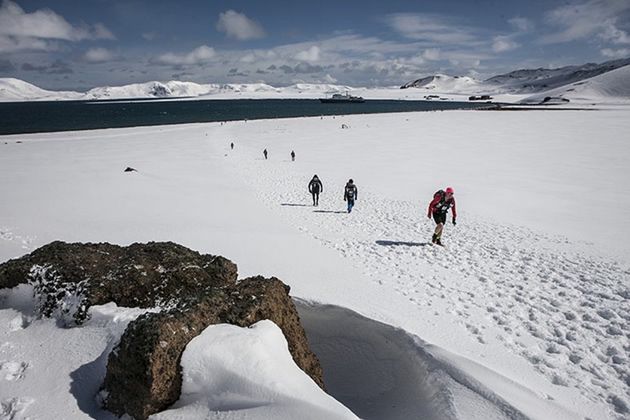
pixel 130 169
pixel 69 278
pixel 143 373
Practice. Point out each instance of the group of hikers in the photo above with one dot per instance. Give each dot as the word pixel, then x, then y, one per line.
pixel 266 154
pixel 442 202
pixel 350 193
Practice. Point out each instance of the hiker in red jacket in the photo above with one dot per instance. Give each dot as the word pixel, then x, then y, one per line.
pixel 442 201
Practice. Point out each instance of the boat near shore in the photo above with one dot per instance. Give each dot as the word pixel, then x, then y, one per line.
pixel 342 98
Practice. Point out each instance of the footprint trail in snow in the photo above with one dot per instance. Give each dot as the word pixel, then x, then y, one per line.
pixel 565 311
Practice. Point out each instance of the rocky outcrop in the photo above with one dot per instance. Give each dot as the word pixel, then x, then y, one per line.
pixel 70 277
pixel 194 291
pixel 143 373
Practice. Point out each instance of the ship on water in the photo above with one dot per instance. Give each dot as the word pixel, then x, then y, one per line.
pixel 341 98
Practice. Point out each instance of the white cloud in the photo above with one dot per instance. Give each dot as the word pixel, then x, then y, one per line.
pixel 199 55
pixel 311 54
pixel 431 54
pixel 237 25
pixel 620 53
pixel 45 24
pixel 522 24
pixel 583 20
pixel 11 44
pixel 431 28
pixel 98 55
pixel 503 43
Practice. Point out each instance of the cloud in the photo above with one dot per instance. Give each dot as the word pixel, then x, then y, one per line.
pixel 6 66
pixel 583 20
pixel 149 36
pixel 33 67
pixel 431 28
pixel 10 44
pixel 59 67
pixel 45 24
pixel 503 43
pixel 199 55
pixel 56 67
pixel 98 55
pixel 521 24
pixel 312 54
pixel 301 68
pixel 237 25
pixel 431 54
pixel 619 53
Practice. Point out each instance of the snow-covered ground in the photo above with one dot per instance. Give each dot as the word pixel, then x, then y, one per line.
pixel 525 313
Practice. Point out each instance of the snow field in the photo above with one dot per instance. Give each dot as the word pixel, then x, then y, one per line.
pixel 532 287
pixel 48 371
pixel 554 301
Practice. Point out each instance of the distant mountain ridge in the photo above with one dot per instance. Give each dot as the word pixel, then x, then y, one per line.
pixel 525 82
pixel 541 79
pixel 521 81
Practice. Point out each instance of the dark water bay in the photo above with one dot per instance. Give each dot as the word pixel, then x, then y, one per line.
pixel 37 117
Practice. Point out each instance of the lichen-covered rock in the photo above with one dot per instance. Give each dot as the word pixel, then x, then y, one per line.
pixel 70 277
pixel 143 373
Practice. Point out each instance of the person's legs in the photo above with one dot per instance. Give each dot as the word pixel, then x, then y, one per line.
pixel 350 205
pixel 317 199
pixel 314 199
pixel 440 219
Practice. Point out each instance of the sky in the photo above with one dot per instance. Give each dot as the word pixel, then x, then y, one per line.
pixel 80 44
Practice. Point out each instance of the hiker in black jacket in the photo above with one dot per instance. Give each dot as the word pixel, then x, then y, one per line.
pixel 315 187
pixel 350 194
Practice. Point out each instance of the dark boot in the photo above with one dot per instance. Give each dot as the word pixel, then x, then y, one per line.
pixel 434 238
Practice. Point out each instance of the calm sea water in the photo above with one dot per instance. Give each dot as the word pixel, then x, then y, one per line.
pixel 35 117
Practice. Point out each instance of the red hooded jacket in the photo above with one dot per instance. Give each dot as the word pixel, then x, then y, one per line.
pixel 437 205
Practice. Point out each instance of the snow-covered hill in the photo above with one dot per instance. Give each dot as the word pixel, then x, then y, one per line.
pixel 446 84
pixel 18 90
pixel 541 79
pixel 613 85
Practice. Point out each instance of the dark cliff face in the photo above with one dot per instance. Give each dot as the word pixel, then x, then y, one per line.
pixel 194 291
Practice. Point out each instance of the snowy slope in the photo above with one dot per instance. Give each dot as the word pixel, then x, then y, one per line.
pixel 541 79
pixel 446 84
pixel 525 312
pixel 19 90
pixel 611 86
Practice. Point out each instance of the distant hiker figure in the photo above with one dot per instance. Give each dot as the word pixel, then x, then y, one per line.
pixel 442 201
pixel 265 153
pixel 350 194
pixel 232 146
pixel 292 155
pixel 315 187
